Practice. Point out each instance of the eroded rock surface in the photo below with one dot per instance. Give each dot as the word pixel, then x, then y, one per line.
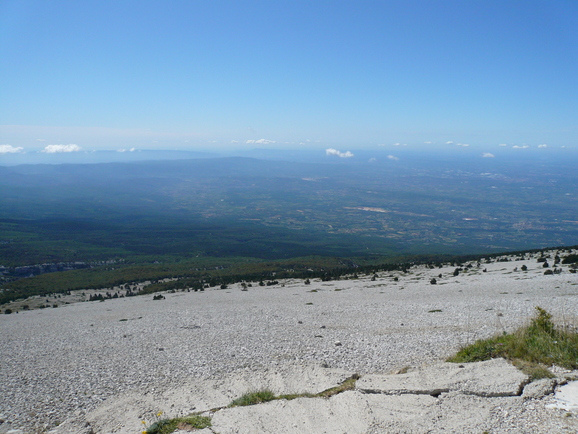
pixel 492 378
pixel 445 397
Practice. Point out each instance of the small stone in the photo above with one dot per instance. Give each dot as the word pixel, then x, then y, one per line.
pixel 337 344
pixel 540 388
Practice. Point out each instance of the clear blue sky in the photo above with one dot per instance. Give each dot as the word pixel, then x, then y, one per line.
pixel 343 74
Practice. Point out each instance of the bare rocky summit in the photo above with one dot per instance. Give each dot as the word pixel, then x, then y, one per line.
pixel 103 367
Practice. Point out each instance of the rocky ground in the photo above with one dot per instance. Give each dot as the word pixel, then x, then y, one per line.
pixel 63 368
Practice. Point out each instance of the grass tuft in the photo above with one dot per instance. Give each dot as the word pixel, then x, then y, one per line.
pixel 291 396
pixel 535 371
pixel 253 398
pixel 167 426
pixel 531 348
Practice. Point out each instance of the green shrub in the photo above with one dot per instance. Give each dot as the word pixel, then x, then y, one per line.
pixel 570 259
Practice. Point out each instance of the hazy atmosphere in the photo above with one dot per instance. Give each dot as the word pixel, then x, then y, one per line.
pixel 262 216
pixel 341 75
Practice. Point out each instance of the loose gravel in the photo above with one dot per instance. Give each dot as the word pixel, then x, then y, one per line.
pixel 60 363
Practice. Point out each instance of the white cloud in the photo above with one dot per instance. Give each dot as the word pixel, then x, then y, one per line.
pixel 449 142
pixel 40 140
pixel 53 149
pixel 520 147
pixel 397 144
pixel 372 160
pixel 393 157
pixel 465 145
pixel 261 141
pixel 543 145
pixel 428 143
pixel 9 149
pixel 503 144
pixel 234 141
pixel 126 150
pixel 331 151
pixel 488 155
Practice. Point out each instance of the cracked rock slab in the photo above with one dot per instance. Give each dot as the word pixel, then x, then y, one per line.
pixel 492 378
pixel 354 412
pixel 348 412
pixel 123 414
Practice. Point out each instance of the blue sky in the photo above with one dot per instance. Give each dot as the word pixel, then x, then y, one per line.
pixel 286 74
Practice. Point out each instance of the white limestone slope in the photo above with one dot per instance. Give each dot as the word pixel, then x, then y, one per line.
pixel 64 366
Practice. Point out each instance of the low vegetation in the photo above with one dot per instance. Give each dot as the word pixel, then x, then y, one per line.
pixel 197 421
pixel 266 395
pixel 253 398
pixel 532 348
pixel 187 423
pixel 199 273
pixel 348 384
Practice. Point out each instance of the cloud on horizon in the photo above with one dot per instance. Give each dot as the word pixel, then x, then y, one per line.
pixel 261 141
pixel 520 147
pixel 331 151
pixel 126 150
pixel 488 155
pixel 393 157
pixel 9 149
pixel 543 145
pixel 54 149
